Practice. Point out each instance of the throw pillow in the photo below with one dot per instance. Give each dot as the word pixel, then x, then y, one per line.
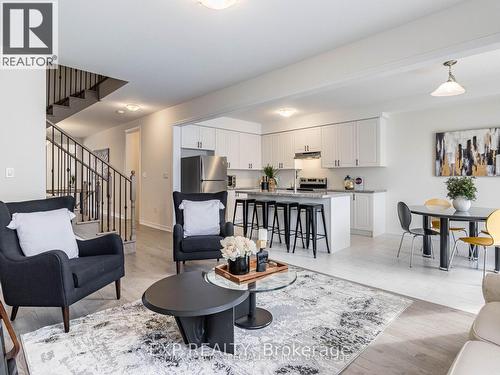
pixel 39 232
pixel 201 218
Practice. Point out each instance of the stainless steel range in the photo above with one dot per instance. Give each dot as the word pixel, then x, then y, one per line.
pixel 312 184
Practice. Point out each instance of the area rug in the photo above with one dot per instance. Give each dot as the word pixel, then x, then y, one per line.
pixel 321 324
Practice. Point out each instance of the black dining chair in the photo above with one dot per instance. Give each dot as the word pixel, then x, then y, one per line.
pixel 404 215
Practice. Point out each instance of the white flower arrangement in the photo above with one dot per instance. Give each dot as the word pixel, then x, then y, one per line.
pixel 237 247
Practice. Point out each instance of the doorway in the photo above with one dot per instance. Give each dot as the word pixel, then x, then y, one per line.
pixel 133 163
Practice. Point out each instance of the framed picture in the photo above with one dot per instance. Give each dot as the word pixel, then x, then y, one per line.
pixel 103 155
pixel 468 153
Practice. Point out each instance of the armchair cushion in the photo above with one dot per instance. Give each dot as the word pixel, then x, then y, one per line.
pixel 486 326
pixel 201 243
pixel 491 287
pixel 87 269
pixel 477 358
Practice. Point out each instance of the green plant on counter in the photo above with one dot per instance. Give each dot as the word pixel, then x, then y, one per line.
pixel 461 187
pixel 271 172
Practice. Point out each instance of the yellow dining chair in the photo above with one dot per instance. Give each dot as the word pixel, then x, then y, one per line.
pixel 436 223
pixel 492 239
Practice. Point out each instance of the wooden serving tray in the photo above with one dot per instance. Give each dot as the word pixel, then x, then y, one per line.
pixel 253 275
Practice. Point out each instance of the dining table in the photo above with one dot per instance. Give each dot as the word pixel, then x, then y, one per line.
pixel 473 217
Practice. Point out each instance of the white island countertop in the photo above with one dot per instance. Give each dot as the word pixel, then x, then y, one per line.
pixel 292 193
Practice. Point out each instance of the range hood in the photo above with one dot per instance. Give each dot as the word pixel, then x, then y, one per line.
pixel 308 155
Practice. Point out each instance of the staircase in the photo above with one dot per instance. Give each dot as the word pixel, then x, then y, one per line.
pixel 71 90
pixel 105 197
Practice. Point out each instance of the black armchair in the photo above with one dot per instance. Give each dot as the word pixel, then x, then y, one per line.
pixel 52 279
pixel 198 247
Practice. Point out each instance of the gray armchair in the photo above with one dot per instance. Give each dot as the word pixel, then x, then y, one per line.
pixel 52 279
pixel 198 247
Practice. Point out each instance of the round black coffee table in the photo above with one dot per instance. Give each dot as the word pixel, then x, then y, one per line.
pixel 204 312
pixel 248 315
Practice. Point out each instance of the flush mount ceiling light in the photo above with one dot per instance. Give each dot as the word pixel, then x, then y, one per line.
pixel 120 111
pixel 450 87
pixel 217 4
pixel 286 112
pixel 132 107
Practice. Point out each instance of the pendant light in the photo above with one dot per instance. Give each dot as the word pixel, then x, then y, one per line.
pixel 450 87
pixel 217 4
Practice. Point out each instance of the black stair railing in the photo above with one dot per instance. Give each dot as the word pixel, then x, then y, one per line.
pixel 64 82
pixel 102 193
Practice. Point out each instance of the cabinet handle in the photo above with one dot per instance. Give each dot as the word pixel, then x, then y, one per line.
pixel 229 164
pixel 357 162
pixel 354 197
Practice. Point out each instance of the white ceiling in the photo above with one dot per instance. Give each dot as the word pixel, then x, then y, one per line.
pixel 174 50
pixel 479 74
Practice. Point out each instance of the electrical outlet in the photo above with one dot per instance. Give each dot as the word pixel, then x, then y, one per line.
pixel 9 172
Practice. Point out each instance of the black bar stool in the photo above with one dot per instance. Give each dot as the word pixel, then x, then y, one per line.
pixel 311 210
pixel 245 204
pixel 265 205
pixel 286 207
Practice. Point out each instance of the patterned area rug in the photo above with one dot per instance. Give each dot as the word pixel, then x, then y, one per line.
pixel 321 324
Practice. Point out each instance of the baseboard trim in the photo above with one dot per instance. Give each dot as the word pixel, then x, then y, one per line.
pixel 150 224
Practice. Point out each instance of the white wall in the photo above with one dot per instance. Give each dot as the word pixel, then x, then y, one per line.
pixel 156 164
pixel 22 134
pixel 409 175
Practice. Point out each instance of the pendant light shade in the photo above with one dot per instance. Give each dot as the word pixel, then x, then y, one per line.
pixel 217 4
pixel 450 87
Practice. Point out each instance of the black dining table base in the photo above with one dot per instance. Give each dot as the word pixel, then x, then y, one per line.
pixel 444 246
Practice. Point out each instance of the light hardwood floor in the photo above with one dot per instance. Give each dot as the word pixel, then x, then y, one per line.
pixel 422 340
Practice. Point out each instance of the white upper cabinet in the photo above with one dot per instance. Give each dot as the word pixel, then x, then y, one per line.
pixel 198 137
pixel 228 145
pixel 353 144
pixel 346 145
pixel 268 150
pixel 250 151
pixel 191 136
pixel 278 150
pixel 369 143
pixel 307 140
pixel 329 149
pixel 207 138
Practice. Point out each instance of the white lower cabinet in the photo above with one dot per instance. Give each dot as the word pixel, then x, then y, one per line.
pixel 368 213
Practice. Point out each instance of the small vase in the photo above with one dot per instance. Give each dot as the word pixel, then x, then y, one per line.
pixel 239 266
pixel 461 204
pixel 272 184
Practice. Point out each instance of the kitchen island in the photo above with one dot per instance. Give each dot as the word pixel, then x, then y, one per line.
pixel 337 213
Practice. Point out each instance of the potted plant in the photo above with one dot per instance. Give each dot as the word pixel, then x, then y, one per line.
pixel 272 175
pixel 237 252
pixel 462 190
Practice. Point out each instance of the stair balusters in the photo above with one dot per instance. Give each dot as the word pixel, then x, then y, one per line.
pixel 102 193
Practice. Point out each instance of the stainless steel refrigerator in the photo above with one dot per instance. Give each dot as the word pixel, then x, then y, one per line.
pixel 203 174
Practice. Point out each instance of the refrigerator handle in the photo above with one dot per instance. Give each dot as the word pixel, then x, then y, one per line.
pixel 202 170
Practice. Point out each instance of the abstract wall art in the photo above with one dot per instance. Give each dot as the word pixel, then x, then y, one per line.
pixel 468 153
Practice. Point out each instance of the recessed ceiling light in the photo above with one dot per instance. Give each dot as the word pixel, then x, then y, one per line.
pixel 450 87
pixel 286 112
pixel 132 107
pixel 217 4
pixel 120 111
